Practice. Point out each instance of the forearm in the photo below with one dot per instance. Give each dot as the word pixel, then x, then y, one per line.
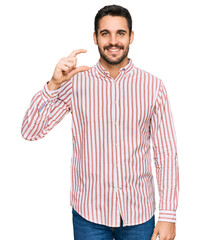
pixel 168 186
pixel 45 111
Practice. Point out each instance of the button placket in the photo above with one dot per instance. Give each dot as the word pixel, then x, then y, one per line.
pixel 115 123
pixel 115 144
pixel 115 111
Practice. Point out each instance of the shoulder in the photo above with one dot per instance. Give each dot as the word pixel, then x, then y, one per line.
pixel 147 77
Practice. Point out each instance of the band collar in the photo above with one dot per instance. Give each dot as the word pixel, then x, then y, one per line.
pixel 126 69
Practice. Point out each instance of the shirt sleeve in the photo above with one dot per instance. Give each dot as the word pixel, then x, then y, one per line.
pixel 46 110
pixel 165 156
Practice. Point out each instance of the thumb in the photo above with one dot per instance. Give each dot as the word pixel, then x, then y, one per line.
pixel 155 234
pixel 77 70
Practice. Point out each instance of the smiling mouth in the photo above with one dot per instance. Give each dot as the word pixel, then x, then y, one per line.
pixel 114 50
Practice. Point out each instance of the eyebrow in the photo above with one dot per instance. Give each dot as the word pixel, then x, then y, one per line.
pixel 120 30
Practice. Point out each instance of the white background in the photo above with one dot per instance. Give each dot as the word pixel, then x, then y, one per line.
pixel 35 176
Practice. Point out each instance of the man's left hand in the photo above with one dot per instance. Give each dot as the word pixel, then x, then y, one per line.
pixel 165 231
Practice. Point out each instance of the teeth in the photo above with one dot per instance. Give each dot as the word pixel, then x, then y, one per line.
pixel 114 50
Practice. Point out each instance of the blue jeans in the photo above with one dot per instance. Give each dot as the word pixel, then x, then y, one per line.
pixel 85 230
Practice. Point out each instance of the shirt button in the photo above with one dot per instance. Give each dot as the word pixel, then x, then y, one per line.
pixel 116 144
pixel 116 123
pixel 115 101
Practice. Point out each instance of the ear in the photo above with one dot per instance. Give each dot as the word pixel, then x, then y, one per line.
pixel 131 37
pixel 95 38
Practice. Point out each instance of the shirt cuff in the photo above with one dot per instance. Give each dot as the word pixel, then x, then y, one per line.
pixel 167 216
pixel 47 94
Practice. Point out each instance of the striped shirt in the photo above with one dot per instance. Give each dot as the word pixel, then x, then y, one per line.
pixel 114 123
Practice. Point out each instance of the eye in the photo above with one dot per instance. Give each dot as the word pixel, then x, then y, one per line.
pixel 104 34
pixel 121 33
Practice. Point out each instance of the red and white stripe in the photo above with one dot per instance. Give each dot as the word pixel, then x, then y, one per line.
pixel 113 122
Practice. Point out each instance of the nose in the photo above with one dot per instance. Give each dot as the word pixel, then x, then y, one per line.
pixel 113 39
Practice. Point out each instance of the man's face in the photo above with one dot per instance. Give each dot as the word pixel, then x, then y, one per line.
pixel 113 39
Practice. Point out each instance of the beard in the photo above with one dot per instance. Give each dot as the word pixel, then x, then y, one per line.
pixel 110 61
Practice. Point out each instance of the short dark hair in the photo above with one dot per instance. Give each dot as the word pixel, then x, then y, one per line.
pixel 112 10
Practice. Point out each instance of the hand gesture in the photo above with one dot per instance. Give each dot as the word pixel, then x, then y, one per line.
pixel 66 69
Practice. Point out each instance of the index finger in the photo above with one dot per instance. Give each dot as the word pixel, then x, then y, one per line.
pixel 78 51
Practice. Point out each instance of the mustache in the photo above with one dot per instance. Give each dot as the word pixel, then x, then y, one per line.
pixel 111 45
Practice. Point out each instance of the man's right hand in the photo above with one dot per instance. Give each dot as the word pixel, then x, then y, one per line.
pixel 66 69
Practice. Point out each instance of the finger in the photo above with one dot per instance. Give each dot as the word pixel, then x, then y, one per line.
pixel 154 236
pixel 68 64
pixel 64 67
pixel 74 61
pixel 81 69
pixel 78 51
pixel 66 61
pixel 77 70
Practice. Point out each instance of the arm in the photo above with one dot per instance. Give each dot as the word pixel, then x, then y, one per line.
pixel 46 110
pixel 166 163
pixel 49 106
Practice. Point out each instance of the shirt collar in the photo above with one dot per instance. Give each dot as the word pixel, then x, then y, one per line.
pixel 126 69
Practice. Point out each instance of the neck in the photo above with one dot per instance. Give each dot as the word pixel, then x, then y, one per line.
pixel 113 69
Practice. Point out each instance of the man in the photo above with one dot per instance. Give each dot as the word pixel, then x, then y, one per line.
pixel 116 109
